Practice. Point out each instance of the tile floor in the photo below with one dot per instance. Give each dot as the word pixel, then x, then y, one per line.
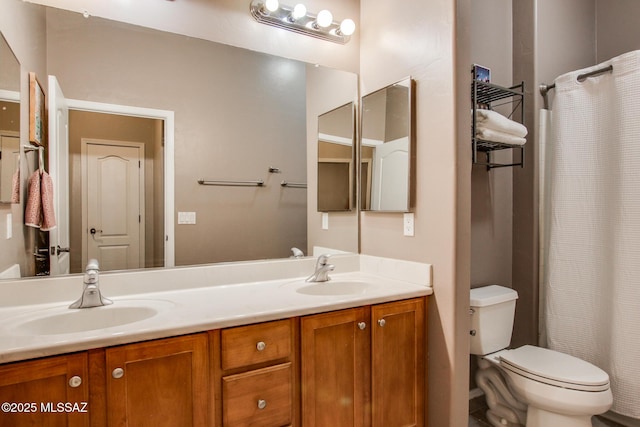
pixel 478 408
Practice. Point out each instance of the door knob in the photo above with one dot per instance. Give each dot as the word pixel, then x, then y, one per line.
pixel 59 249
pixel 94 231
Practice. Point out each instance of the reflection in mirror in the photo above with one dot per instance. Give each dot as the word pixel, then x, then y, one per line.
pixel 387 148
pixel 9 124
pixel 336 159
pixel 237 113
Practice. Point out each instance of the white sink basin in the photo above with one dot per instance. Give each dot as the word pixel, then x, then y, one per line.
pixel 336 288
pixel 63 320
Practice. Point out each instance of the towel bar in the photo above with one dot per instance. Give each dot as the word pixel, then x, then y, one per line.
pixel 258 183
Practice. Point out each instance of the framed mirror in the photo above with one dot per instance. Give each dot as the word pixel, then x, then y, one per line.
pixel 387 150
pixel 238 113
pixel 9 124
pixel 336 159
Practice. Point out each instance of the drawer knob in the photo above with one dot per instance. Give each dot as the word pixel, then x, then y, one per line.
pixel 382 322
pixel 261 346
pixel 262 403
pixel 75 381
pixel 117 373
pixel 362 325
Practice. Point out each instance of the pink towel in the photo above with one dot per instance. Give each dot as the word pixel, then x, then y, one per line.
pixel 39 211
pixel 32 212
pixel 46 196
pixel 15 186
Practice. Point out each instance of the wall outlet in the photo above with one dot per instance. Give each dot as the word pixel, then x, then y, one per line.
pixel 325 221
pixel 408 224
pixel 186 217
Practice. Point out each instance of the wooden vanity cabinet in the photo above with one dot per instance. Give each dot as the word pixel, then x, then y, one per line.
pixel 35 389
pixel 365 366
pixel 159 383
pixel 357 367
pixel 255 375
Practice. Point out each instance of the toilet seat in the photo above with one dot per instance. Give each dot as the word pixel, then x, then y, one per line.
pixel 554 368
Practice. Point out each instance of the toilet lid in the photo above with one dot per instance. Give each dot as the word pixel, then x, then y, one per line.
pixel 555 368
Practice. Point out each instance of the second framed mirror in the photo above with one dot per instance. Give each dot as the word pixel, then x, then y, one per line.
pixel 387 149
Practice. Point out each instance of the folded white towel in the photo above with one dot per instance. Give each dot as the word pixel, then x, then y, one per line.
pixel 490 119
pixel 497 136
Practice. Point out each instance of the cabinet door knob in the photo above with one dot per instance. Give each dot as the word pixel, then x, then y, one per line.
pixel 261 346
pixel 382 322
pixel 117 373
pixel 262 403
pixel 75 381
pixel 362 325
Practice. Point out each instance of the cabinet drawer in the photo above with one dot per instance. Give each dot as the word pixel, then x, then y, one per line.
pixel 249 345
pixel 258 398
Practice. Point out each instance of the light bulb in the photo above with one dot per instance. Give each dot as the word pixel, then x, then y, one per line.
pixel 347 27
pixel 271 5
pixel 324 18
pixel 299 11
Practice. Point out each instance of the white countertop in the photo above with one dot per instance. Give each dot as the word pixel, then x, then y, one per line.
pixel 189 306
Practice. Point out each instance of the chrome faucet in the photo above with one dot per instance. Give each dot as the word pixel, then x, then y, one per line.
pixel 91 296
pixel 322 270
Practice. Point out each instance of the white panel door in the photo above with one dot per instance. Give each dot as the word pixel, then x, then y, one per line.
pixel 59 261
pixel 114 204
pixel 390 190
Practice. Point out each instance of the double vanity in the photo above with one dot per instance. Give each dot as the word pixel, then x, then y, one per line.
pixel 242 344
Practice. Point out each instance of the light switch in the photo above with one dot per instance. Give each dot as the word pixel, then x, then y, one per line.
pixel 9 226
pixel 325 221
pixel 408 222
pixel 186 217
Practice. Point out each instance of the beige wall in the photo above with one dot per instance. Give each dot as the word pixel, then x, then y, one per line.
pixel 491 203
pixel 618 30
pixel 229 22
pixel 214 90
pixel 418 39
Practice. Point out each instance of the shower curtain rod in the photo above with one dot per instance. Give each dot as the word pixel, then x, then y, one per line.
pixel 544 88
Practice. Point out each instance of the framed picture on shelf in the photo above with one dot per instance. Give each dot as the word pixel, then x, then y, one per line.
pixel 481 73
pixel 36 111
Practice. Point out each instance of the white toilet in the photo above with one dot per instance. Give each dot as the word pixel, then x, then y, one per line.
pixel 544 387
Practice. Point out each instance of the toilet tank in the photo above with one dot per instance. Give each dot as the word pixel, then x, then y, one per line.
pixel 492 311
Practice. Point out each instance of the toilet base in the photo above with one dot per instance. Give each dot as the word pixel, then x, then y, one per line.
pixel 537 417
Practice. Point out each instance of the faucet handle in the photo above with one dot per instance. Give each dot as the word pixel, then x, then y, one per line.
pixel 323 259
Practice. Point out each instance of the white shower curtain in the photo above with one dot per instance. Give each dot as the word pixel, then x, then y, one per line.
pixel 591 224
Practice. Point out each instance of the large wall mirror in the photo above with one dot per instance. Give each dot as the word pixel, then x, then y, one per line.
pixel 336 159
pixel 9 123
pixel 240 116
pixel 388 148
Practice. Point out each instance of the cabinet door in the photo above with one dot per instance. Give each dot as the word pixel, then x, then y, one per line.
pixel 335 368
pixel 159 383
pixel 398 363
pixel 51 392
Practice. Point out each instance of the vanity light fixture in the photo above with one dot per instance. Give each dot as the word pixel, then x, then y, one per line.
pixel 298 20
